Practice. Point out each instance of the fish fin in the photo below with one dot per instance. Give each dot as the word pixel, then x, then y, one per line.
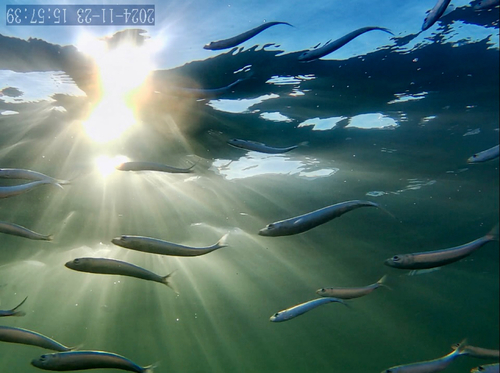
pixel 150 368
pixel 461 348
pixel 382 282
pixel 303 143
pixel 75 348
pixel 386 30
pixel 19 313
pixel 450 8
pixel 50 237
pixel 493 234
pixel 167 280
pixel 386 211
pixel 58 185
pixel 222 241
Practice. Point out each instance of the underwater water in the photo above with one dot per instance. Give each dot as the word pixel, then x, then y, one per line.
pixel 388 119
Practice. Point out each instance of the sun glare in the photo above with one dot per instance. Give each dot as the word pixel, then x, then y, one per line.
pixel 121 70
pixel 107 165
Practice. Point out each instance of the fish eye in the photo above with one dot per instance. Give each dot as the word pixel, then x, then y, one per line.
pixel 322 290
pixel 276 314
pixel 396 258
pixel 480 368
pixel 270 226
pixel 43 358
pixel 76 261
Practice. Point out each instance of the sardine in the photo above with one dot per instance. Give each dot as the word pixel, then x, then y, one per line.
pixel 437 258
pixel 116 267
pixel 238 39
pixel 312 219
pixel 259 147
pixel 489 368
pixel 486 4
pixel 11 191
pixel 435 13
pixel 28 337
pixel 485 155
pixel 332 46
pixel 80 360
pixel 156 246
pixel 350 293
pixel 302 308
pixel 13 311
pixel 430 366
pixel 19 173
pixel 17 230
pixel 479 352
pixel 151 166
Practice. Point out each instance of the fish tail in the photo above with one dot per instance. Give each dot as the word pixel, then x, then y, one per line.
pixel 382 282
pixel 303 143
pixel 19 313
pixel 167 280
pixel 50 237
pixel 385 30
pixel 460 348
pixel 150 368
pixel 56 184
pixel 384 210
pixel 222 242
pixel 493 234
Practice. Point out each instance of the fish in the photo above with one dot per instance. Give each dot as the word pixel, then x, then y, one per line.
pixel 14 190
pixel 486 4
pixel 259 147
pixel 435 13
pixel 156 246
pixel 485 155
pixel 332 46
pixel 116 267
pixel 238 39
pixel 151 166
pixel 29 337
pixel 81 360
pixel 351 292
pixel 20 231
pixel 13 311
pixel 430 366
pixel 312 219
pixel 489 368
pixel 302 308
pixel 479 352
pixel 438 258
pixel 204 93
pixel 19 173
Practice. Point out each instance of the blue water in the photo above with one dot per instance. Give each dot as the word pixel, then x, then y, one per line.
pixel 390 119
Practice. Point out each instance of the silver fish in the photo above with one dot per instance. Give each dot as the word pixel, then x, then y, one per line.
pixel 151 166
pixel 489 368
pixel 115 267
pixel 485 155
pixel 479 352
pixel 238 39
pixel 80 360
pixel 437 258
pixel 156 246
pixel 13 311
pixel 11 191
pixel 20 231
pixel 435 13
pixel 203 93
pixel 351 292
pixel 28 337
pixel 259 147
pixel 302 308
pixel 332 46
pixel 486 4
pixel 430 366
pixel 19 173
pixel 312 219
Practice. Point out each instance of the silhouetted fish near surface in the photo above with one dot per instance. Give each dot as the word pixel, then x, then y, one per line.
pixel 259 147
pixel 488 368
pixel 238 39
pixel 312 219
pixel 351 292
pixel 82 360
pixel 11 191
pixel 20 231
pixel 116 267
pixel 152 166
pixel 302 308
pixel 201 93
pixel 13 311
pixel 28 337
pixel 435 13
pixel 156 246
pixel 430 366
pixel 431 259
pixel 485 155
pixel 19 173
pixel 332 46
